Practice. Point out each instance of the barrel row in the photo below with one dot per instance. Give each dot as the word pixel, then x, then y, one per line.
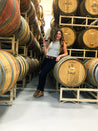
pixel 75 7
pixel 34 23
pixel 32 6
pixel 35 15
pixel 84 39
pixel 72 72
pixel 12 23
pixel 14 69
pixel 76 37
pixel 68 71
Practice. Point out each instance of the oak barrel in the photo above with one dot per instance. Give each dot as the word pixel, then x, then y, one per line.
pixel 37 47
pixel 9 71
pixel 31 13
pixel 69 35
pixel 41 11
pixel 35 66
pixel 23 33
pixel 70 72
pixel 36 4
pixel 24 5
pixel 31 65
pixel 23 67
pixel 64 7
pixel 9 17
pixel 88 38
pixel 92 71
pixel 31 42
pixel 89 8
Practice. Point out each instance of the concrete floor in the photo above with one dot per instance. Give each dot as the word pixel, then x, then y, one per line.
pixel 47 113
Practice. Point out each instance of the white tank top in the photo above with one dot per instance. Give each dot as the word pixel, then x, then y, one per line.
pixel 54 49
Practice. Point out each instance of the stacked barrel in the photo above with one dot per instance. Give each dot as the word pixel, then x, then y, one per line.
pixel 10 19
pixel 29 9
pixel 19 18
pixel 77 37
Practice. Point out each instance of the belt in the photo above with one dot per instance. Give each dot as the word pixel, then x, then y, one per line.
pixel 50 57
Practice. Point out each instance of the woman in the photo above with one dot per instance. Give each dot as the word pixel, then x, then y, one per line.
pixel 55 50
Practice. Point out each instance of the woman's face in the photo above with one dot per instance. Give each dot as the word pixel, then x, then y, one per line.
pixel 58 35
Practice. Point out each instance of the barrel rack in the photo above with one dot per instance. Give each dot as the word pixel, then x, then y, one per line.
pixel 21 84
pixel 78 94
pixel 74 94
pixel 8 97
pixel 83 53
pixel 89 21
pixel 9 44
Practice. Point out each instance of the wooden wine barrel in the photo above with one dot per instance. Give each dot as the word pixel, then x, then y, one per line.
pixel 51 31
pixel 31 42
pixel 9 17
pixel 24 67
pixel 23 33
pixel 36 28
pixel 92 71
pixel 40 22
pixel 89 8
pixel 64 7
pixel 37 47
pixel 35 66
pixel 31 12
pixel 88 38
pixel 41 11
pixel 69 35
pixel 52 22
pixel 31 69
pixel 38 13
pixel 9 71
pixel 36 4
pixel 70 72
pixel 24 5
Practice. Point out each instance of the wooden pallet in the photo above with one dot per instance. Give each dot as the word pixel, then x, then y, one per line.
pixel 9 44
pixel 8 97
pixel 30 53
pixel 21 84
pixel 29 78
pixel 23 50
pixel 83 53
pixel 85 21
pixel 74 94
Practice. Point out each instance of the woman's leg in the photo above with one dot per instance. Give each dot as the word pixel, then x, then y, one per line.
pixel 49 64
pixel 45 61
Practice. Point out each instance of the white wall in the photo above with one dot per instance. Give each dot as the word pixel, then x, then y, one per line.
pixel 47 9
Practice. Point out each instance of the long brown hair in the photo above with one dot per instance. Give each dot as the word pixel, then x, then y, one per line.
pixel 61 40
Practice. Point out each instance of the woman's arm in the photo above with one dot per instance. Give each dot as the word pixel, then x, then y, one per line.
pixel 64 54
pixel 45 47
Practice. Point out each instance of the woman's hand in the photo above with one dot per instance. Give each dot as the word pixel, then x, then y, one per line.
pixel 58 58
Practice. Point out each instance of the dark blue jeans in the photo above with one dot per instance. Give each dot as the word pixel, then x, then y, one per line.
pixel 47 65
